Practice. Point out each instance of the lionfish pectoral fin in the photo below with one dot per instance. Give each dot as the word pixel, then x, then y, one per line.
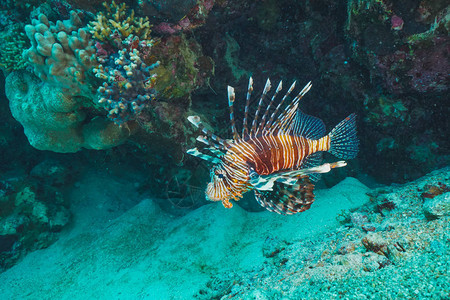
pixel 261 183
pixel 287 200
pixel 194 120
pixel 196 153
pixel 325 168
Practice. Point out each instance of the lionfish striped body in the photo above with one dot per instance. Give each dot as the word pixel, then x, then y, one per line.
pixel 277 157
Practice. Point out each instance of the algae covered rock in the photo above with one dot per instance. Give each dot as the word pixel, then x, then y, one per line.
pixel 30 218
pixel 55 121
pixel 438 206
pixel 51 120
pixel 101 134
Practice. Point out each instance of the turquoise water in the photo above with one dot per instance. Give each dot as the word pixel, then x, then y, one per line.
pixel 104 166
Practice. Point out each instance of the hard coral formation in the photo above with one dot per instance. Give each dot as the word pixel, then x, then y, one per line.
pixel 119 22
pixel 54 120
pixel 62 53
pixel 14 42
pixel 125 60
pixel 129 81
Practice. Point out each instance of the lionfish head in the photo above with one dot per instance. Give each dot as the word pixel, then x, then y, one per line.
pixel 221 186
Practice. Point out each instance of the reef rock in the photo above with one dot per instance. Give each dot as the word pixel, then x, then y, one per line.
pixel 438 206
pixel 55 121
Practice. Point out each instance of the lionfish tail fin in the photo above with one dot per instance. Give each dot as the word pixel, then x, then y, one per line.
pixel 343 140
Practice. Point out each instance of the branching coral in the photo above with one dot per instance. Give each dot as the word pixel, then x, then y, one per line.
pixel 129 85
pixel 61 53
pixel 118 21
pixel 124 47
pixel 11 53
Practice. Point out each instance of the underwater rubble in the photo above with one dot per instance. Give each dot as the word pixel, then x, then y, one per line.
pixel 33 210
pixel 397 245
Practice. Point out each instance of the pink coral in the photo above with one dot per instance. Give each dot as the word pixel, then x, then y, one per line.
pixel 165 28
pixel 396 22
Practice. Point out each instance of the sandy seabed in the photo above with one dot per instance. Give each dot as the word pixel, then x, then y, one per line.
pixel 349 245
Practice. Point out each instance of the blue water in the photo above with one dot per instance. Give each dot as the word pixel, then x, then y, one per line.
pixel 101 198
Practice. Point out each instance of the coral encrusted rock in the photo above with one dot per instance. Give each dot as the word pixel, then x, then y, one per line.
pixel 55 121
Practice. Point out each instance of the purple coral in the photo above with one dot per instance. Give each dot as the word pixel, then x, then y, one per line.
pixel 397 22
pixel 129 83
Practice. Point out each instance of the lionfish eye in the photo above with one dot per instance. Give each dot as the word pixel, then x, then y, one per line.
pixel 220 175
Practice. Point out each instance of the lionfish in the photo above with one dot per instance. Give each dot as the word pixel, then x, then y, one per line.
pixel 279 157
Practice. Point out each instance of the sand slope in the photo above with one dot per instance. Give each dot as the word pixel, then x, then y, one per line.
pixel 143 252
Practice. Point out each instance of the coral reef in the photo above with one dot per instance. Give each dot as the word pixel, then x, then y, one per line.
pixel 118 23
pixel 129 81
pixel 33 211
pixel 125 60
pixel 23 7
pixel 56 121
pixel 183 67
pixel 406 57
pixel 165 11
pixel 11 52
pixel 62 53
pixel 195 17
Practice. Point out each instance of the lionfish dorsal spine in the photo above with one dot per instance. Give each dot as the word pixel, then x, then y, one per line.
pixel 285 119
pixel 277 109
pixel 260 103
pixel 231 98
pixel 247 104
pixel 272 100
